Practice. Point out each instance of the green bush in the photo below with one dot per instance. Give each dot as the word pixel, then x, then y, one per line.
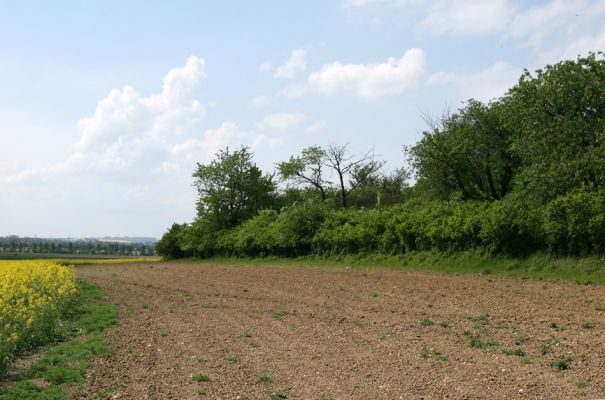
pixel 292 233
pixel 349 232
pixel 512 228
pixel 574 224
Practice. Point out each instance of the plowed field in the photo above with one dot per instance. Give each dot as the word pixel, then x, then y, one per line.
pixel 252 332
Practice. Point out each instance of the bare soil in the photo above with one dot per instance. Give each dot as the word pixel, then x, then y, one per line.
pixel 336 333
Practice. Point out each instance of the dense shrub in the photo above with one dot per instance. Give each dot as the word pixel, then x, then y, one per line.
pixel 168 246
pixel 574 224
pixel 293 231
pixel 350 231
pixel 512 228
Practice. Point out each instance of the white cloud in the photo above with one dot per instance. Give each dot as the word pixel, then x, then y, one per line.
pixel 370 80
pixel 485 85
pixel 295 64
pixel 471 17
pixel 261 101
pixel 128 127
pixel 282 121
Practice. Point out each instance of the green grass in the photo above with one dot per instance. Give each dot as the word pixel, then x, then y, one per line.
pixel 62 365
pixel 538 266
pixel 201 378
pixel 264 379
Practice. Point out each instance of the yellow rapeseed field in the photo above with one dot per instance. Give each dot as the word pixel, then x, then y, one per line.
pixel 33 296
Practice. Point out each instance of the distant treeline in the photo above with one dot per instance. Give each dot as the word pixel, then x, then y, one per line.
pixel 521 174
pixel 24 245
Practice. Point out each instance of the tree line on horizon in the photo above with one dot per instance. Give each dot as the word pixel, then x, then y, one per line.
pixel 14 245
pixel 520 174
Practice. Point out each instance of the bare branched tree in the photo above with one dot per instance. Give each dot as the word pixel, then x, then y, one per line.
pixel 345 164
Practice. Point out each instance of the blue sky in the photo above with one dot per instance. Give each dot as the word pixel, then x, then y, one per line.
pixel 106 106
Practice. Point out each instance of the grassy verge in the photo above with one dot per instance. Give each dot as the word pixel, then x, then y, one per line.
pixel 60 367
pixel 539 266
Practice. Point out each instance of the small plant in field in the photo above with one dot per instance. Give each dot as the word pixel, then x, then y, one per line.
pixel 589 301
pixel 112 389
pixel 482 319
pixel 145 306
pixel 582 384
pixel 201 360
pixel 426 322
pixel 278 316
pixel 526 361
pixel 232 360
pixel 516 352
pixel 562 364
pixel 555 326
pixel 149 285
pixel 247 334
pixel 278 395
pixel 599 308
pixel 163 333
pixel 130 310
pixel 444 324
pixel 478 343
pixel 374 294
pixel 265 379
pixel 587 325
pixel 424 353
pixel 201 392
pixel 245 290
pixel 200 378
pixel 132 351
pixel 429 306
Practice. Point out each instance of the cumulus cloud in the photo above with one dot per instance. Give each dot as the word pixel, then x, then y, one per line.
pixel 295 64
pixel 485 85
pixel 128 127
pixel 469 16
pixel 370 81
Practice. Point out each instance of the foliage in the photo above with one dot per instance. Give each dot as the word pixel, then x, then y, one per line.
pixel 557 117
pixel 574 224
pixel 231 189
pixel 168 246
pixel 465 153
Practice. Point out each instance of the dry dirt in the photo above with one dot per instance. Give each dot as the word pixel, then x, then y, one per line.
pixel 335 333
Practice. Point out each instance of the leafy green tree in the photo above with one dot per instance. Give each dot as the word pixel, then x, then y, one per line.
pixel 558 119
pixel 465 154
pixel 168 246
pixel 306 169
pixel 231 189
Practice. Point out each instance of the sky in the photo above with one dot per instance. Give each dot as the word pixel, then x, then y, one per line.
pixel 107 106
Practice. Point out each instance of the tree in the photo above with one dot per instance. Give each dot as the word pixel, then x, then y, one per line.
pixel 168 246
pixel 306 169
pixel 358 169
pixel 231 189
pixel 557 117
pixel 466 153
